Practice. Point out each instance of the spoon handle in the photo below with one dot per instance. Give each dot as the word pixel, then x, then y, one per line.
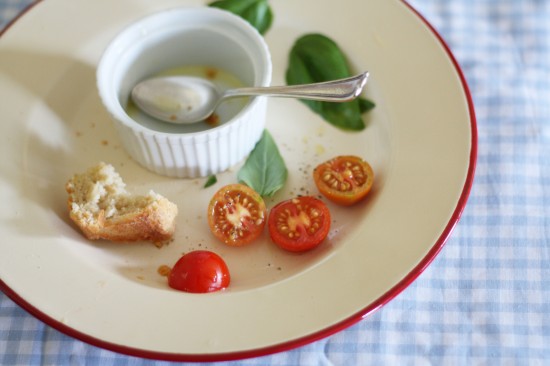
pixel 341 90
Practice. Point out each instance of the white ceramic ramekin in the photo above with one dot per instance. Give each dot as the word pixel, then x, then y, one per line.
pixel 185 37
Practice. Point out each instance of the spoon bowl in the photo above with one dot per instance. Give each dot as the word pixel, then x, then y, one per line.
pixel 189 99
pixel 177 99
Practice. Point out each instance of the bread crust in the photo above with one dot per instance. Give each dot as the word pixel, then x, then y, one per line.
pixel 126 217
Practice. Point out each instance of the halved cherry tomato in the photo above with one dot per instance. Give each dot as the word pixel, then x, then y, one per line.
pixel 199 271
pixel 299 224
pixel 344 179
pixel 236 214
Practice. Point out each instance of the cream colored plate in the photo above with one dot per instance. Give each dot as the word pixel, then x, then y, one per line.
pixel 420 140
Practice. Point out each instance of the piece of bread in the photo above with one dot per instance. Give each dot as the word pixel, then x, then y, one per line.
pixel 102 208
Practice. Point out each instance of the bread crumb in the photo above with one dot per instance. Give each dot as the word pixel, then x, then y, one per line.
pixel 164 270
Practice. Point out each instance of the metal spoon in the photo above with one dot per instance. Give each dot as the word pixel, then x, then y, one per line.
pixel 187 99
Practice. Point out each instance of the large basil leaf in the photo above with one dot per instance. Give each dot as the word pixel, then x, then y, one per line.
pixel 317 58
pixel 264 170
pixel 256 12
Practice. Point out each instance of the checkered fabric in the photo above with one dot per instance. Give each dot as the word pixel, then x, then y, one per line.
pixel 485 300
pixel 10 8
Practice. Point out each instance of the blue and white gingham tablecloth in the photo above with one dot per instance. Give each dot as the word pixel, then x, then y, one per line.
pixel 485 300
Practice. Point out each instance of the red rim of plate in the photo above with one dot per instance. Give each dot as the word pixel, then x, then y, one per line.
pixel 326 332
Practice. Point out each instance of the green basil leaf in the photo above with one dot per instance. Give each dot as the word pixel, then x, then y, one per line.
pixel 365 105
pixel 264 170
pixel 317 58
pixel 210 181
pixel 256 12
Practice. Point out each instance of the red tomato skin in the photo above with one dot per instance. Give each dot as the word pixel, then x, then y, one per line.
pixel 199 271
pixel 306 240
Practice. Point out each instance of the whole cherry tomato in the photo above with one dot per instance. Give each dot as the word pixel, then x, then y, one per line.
pixel 344 179
pixel 299 224
pixel 236 214
pixel 199 271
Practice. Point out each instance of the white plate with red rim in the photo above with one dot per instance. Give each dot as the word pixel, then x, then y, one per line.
pixel 420 139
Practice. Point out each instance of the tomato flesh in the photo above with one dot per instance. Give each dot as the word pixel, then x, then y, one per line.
pixel 299 224
pixel 236 214
pixel 344 180
pixel 200 271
